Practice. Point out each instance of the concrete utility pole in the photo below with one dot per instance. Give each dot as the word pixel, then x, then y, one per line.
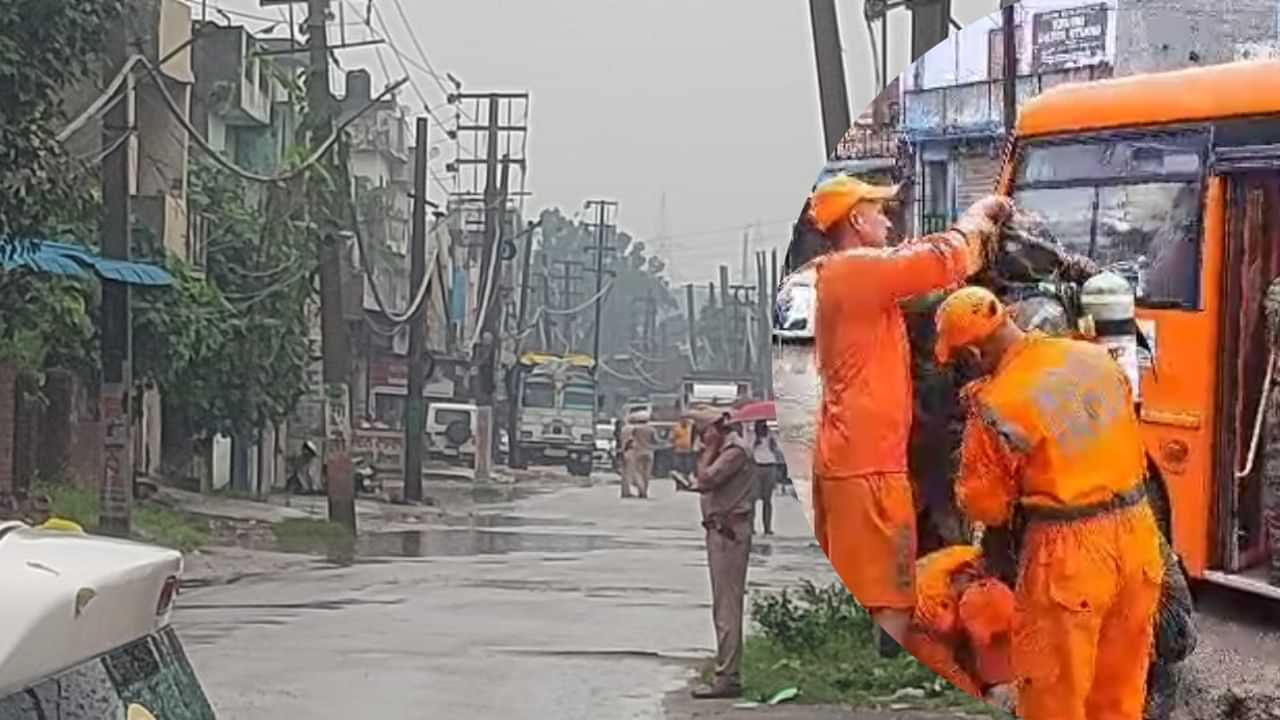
pixel 513 417
pixel 1009 32
pixel 568 296
pixel 116 483
pixel 930 25
pixel 491 342
pixel 414 411
pixel 765 327
pixel 335 341
pixel 603 229
pixel 833 90
pixel 693 324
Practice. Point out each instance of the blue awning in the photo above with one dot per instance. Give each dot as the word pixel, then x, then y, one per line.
pixel 62 259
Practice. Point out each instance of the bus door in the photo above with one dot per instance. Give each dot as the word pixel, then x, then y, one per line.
pixel 1139 204
pixel 1252 226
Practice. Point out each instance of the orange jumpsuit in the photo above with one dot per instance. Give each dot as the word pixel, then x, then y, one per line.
pixel 962 621
pixel 1054 429
pixel 864 505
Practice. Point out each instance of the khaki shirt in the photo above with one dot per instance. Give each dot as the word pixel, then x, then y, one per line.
pixel 727 480
pixel 642 439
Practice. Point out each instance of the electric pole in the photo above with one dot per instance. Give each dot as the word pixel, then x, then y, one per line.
pixel 765 344
pixel 930 24
pixel 490 342
pixel 568 295
pixel 414 415
pixel 1009 32
pixel 335 343
pixel 693 324
pixel 833 90
pixel 602 228
pixel 116 488
pixel 513 386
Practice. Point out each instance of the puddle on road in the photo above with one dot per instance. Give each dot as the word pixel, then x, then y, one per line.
pixel 456 542
pixel 477 539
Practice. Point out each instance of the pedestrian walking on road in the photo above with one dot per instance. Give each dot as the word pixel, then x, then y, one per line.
pixel 771 468
pixel 725 477
pixel 1052 432
pixel 682 443
pixel 638 440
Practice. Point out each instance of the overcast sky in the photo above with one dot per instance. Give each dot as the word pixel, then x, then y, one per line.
pixel 713 102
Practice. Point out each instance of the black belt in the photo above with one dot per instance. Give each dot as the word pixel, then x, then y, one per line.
pixel 1125 500
pixel 719 523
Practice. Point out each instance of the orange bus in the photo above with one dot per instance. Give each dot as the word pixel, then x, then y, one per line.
pixel 1173 181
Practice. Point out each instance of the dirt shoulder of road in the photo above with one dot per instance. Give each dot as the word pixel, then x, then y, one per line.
pixel 680 705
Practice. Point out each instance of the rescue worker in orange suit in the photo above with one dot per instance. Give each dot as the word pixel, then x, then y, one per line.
pixel 864 504
pixel 1051 428
pixel 725 477
pixel 962 621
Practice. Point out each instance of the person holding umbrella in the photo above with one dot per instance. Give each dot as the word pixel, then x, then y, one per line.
pixel 771 464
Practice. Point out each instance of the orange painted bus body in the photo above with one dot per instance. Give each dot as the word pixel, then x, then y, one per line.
pixel 1182 399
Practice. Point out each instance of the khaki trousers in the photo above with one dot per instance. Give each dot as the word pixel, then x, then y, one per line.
pixel 727 560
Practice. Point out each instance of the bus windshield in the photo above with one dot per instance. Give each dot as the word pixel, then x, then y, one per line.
pixel 1131 204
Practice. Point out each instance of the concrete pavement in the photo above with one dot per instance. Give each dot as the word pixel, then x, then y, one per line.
pixel 576 605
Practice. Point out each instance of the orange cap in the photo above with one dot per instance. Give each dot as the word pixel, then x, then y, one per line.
pixel 835 198
pixel 967 316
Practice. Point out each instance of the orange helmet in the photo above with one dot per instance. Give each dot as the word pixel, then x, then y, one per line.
pixel 834 198
pixel 967 316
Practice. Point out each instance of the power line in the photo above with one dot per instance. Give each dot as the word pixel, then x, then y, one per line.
pixel 422 53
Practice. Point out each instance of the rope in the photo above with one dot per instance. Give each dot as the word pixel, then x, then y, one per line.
pixel 1257 419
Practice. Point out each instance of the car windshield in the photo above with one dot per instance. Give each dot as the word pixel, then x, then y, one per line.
pixel 152 673
pixel 539 395
pixel 1132 205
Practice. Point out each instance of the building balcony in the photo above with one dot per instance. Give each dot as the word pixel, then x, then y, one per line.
pixel 974 110
pixel 867 142
pixel 236 82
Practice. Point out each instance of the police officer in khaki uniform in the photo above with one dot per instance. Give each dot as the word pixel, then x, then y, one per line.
pixel 725 477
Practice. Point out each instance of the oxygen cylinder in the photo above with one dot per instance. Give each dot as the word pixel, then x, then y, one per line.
pixel 1108 302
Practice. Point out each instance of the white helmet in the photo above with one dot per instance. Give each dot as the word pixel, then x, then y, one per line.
pixel 795 306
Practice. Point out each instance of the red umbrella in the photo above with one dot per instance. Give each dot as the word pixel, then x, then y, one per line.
pixel 753 411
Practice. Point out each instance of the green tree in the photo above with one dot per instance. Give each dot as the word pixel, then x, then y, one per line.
pixel 228 350
pixel 637 275
pixel 46 47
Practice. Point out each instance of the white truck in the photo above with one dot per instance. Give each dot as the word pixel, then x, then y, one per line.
pixel 555 413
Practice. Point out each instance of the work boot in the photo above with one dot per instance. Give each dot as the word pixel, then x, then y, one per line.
pixel 720 690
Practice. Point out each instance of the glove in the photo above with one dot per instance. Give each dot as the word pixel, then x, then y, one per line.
pixel 980 225
pixel 1003 697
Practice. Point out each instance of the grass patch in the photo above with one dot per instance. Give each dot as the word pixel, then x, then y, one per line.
pixel 304 535
pixel 819 640
pixel 152 523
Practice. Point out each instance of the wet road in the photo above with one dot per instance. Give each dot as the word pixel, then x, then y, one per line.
pixel 564 604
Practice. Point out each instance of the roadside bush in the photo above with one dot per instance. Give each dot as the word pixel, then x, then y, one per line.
pixel 820 641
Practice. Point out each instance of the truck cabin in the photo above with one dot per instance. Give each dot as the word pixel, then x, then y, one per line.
pixel 1173 181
